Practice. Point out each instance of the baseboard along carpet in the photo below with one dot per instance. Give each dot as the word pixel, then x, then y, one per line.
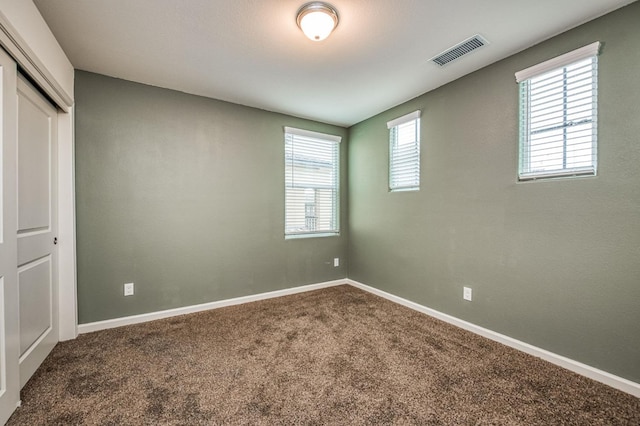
pixel 333 356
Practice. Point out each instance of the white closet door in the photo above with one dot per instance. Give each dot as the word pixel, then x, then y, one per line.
pixel 9 315
pixel 37 228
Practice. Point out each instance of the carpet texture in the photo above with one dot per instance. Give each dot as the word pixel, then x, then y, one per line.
pixel 333 356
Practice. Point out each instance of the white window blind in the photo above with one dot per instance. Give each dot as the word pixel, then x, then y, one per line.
pixel 404 152
pixel 312 183
pixel 558 116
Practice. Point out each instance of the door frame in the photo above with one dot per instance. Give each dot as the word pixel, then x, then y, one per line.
pixel 26 37
pixel 9 299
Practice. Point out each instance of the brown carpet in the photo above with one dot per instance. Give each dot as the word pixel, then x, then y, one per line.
pixel 332 356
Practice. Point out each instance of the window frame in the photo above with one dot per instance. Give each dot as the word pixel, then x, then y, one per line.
pixel 524 78
pixel 317 137
pixel 394 126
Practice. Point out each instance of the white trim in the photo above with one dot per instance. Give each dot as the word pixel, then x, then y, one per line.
pixel 577 367
pixel 404 119
pixel 67 297
pixel 559 61
pixel 152 316
pixel 310 134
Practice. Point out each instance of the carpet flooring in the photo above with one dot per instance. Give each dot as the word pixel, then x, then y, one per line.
pixel 335 356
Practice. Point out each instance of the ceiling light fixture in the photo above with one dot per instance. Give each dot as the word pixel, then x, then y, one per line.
pixel 317 20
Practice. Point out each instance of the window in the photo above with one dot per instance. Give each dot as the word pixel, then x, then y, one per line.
pixel 558 116
pixel 404 152
pixel 312 183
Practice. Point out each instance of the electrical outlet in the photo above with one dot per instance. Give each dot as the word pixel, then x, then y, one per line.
pixel 128 289
pixel 336 262
pixel 466 293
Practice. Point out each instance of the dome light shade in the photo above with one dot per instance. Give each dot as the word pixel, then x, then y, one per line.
pixel 317 20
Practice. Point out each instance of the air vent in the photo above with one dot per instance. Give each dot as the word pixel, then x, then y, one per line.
pixel 460 49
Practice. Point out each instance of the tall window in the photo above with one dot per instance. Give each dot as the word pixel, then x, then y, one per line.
pixel 558 116
pixel 404 152
pixel 312 183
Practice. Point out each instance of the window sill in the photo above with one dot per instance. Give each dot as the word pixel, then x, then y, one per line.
pixel 318 235
pixel 559 174
pixel 413 189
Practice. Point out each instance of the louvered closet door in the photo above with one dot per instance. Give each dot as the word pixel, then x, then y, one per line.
pixel 37 228
pixel 9 332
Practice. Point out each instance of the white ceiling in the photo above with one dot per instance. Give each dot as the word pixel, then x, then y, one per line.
pixel 251 52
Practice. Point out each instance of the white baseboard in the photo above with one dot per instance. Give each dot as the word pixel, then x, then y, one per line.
pixel 612 380
pixel 152 316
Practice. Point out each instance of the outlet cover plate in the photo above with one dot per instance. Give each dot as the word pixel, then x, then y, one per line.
pixel 128 289
pixel 467 293
pixel 336 262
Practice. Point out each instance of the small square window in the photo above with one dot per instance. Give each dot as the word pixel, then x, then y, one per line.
pixel 558 117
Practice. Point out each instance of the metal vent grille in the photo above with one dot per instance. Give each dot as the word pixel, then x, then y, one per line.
pixel 459 50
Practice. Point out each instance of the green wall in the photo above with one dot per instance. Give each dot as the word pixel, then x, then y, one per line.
pixel 184 196
pixel 554 263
